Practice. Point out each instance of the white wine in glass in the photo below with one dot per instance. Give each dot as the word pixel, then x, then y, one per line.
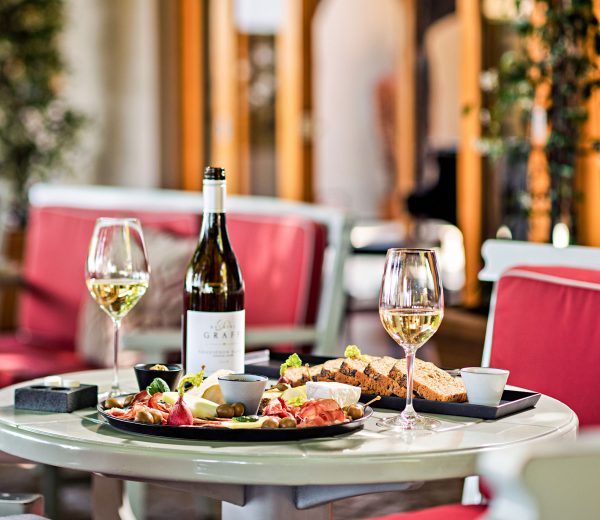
pixel 411 308
pixel 117 273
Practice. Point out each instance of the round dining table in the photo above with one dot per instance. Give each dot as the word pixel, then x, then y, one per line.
pixel 291 480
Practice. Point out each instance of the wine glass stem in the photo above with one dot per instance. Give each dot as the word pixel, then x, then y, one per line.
pixel 409 411
pixel 115 384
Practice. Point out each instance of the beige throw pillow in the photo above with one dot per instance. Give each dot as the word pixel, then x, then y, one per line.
pixel 160 307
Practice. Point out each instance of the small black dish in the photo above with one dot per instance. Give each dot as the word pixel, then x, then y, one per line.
pixel 145 376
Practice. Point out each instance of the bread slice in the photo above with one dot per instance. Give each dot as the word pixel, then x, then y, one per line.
pixel 355 368
pixel 329 369
pixel 298 376
pixel 379 370
pixel 430 382
pixel 347 380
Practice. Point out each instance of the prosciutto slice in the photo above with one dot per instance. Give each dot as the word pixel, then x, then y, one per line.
pixel 277 407
pixel 323 412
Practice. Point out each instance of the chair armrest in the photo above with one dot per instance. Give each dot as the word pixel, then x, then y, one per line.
pixel 155 344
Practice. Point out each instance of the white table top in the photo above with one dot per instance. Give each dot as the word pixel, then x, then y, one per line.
pixel 84 441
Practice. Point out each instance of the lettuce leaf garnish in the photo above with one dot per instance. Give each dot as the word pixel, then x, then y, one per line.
pixel 292 361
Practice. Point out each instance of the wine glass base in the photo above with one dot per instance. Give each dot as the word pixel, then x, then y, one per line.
pixel 113 392
pixel 409 422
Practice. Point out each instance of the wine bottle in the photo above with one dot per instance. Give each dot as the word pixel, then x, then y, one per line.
pixel 213 301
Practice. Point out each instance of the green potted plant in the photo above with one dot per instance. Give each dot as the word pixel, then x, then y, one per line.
pixel 568 46
pixel 37 127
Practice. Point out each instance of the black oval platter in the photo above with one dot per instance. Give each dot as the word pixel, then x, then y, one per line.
pixel 240 435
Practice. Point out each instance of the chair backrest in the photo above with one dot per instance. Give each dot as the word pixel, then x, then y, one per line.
pixel 291 254
pixel 542 321
pixel 548 481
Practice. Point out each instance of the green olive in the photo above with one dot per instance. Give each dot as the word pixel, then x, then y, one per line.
pixel 225 411
pixel 287 422
pixel 282 387
pixel 355 411
pixel 238 409
pixel 144 417
pixel 271 422
pixel 112 402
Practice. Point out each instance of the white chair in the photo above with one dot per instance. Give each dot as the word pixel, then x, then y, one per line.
pixel 550 481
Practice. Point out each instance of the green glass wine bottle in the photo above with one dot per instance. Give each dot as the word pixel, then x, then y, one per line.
pixel 213 296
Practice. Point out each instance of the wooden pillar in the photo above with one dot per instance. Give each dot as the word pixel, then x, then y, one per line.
pixel 192 94
pixel 294 102
pixel 469 160
pixel 588 172
pixel 224 88
pixel 406 112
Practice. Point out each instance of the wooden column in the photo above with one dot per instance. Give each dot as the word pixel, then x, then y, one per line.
pixel 223 47
pixel 469 160
pixel 405 112
pixel 294 102
pixel 192 94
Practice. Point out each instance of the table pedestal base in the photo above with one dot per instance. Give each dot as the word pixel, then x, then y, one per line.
pixel 273 503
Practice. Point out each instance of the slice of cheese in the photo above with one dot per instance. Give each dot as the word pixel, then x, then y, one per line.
pixel 345 395
pixel 234 425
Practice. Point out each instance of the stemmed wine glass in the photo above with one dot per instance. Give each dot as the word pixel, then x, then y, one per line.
pixel 411 308
pixel 117 273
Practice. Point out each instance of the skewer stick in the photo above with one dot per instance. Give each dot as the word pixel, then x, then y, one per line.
pixel 377 398
pixel 307 366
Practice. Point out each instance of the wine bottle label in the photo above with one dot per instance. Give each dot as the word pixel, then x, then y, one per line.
pixel 215 339
pixel 214 196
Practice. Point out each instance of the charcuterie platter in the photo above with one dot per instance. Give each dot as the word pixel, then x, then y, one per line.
pixel 238 407
pixel 208 433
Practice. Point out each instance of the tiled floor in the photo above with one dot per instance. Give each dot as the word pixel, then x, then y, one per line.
pixel 458 343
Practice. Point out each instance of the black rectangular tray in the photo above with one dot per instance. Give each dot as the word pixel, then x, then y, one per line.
pixel 513 401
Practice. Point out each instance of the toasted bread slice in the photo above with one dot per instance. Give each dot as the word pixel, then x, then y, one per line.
pixel 329 369
pixel 379 370
pixel 355 368
pixel 298 376
pixel 347 380
pixel 430 382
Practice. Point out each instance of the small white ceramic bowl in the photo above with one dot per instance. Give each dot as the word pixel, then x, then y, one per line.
pixel 484 385
pixel 243 388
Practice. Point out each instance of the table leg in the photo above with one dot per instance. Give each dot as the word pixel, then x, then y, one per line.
pixel 273 503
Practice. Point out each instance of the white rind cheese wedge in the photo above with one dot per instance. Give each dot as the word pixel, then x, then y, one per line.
pixel 345 395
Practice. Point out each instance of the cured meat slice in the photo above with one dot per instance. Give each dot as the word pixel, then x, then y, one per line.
pixel 278 408
pixel 323 412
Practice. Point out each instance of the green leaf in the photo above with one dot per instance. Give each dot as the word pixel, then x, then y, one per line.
pixel 292 361
pixel 158 385
pixel 245 418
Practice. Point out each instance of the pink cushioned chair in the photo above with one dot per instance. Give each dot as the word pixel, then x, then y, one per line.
pixel 54 288
pixel 542 328
pixel 291 254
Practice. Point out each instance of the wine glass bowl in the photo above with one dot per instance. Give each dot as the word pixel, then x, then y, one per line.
pixel 411 308
pixel 117 273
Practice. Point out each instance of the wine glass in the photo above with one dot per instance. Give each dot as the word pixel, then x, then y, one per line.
pixel 411 308
pixel 117 273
